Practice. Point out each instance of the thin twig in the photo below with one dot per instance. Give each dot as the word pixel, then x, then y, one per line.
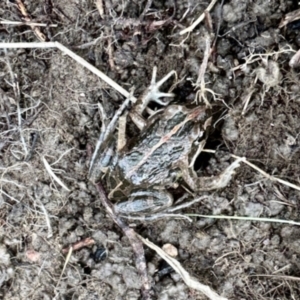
pixel 268 176
pixel 219 17
pixel 146 8
pixel 136 244
pixel 255 219
pixel 186 277
pixel 27 18
pixel 110 52
pixel 8 22
pixel 186 204
pixel 200 83
pixel 51 173
pixel 80 60
pixel 17 93
pixel 290 17
pixel 104 135
pixel 200 80
pixel 48 223
pixel 247 99
pixel 62 155
pixel 80 244
pixel 279 277
pixel 199 20
pixel 65 265
pixel 99 5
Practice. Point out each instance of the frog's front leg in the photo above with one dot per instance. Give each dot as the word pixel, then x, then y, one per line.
pixel 145 202
pixel 152 93
pixel 202 184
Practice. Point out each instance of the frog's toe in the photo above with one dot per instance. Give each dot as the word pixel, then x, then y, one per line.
pixel 153 93
pixel 156 95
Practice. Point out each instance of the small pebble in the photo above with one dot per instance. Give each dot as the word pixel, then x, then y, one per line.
pixel 170 250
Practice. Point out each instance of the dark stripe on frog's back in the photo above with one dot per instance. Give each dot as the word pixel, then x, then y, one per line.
pixel 151 153
pixel 153 133
pixel 151 136
pixel 158 163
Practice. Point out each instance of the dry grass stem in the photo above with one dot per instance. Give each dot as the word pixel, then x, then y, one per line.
pixel 110 52
pixel 135 242
pixel 99 5
pixel 279 277
pixel 156 217
pixel 203 67
pixel 246 100
pixel 295 60
pixel 270 177
pixel 48 223
pixel 8 22
pixel 80 60
pixel 185 204
pixel 190 281
pixel 121 143
pixel 27 18
pixel 8 196
pixel 290 17
pixel 65 265
pixel 199 20
pixel 16 88
pixel 20 130
pixel 11 182
pixel 246 219
pixel 251 58
pixel 65 153
pixel 200 83
pixel 146 8
pixel 51 173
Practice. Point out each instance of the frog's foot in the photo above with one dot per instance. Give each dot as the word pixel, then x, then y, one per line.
pixel 220 181
pixel 152 93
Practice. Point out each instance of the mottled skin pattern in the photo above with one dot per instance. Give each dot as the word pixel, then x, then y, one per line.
pixel 164 151
pixel 159 154
pixel 157 158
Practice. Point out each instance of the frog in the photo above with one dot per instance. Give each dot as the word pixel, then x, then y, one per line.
pixel 161 155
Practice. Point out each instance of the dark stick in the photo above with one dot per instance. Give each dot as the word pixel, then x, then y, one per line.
pixel 135 242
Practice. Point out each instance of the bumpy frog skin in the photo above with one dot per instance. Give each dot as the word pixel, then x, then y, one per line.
pixel 159 155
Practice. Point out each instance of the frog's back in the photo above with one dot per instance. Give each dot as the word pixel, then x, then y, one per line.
pixel 155 151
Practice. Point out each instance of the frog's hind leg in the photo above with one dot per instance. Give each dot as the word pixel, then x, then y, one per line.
pixel 202 184
pixel 144 202
pixel 168 213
